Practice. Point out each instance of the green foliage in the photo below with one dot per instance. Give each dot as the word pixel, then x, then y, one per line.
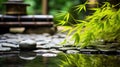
pixel 53 5
pixel 35 6
pixel 1 5
pixel 57 5
pixel 102 25
pixel 84 60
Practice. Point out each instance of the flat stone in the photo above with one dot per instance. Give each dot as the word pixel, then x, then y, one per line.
pixel 55 51
pixel 64 49
pixel 68 48
pixel 55 36
pixel 57 47
pixel 9 45
pixel 89 51
pixel 90 47
pixel 68 45
pixel 101 46
pixel 5 49
pixel 41 51
pixel 13 41
pixel 57 41
pixel 42 47
pixel 72 51
pixel 41 43
pixel 108 51
pixel 3 41
pixel 49 55
pixel 3 38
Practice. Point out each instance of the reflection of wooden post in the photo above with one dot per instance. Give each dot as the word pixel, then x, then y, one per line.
pixel 44 7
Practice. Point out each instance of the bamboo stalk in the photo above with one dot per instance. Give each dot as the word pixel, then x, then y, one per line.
pixel 44 7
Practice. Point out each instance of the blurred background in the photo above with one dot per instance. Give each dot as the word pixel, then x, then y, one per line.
pixel 54 6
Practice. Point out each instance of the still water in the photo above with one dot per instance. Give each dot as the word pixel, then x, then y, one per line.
pixel 31 59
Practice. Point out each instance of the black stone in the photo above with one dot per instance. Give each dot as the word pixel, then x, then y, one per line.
pixel 89 51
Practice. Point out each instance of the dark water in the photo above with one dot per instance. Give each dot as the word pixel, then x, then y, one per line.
pixel 30 59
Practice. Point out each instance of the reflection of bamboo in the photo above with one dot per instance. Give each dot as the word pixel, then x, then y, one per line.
pixel 44 7
pixel 115 2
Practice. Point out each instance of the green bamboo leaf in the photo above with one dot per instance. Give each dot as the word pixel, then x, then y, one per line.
pixel 81 7
pixel 67 16
pixel 76 36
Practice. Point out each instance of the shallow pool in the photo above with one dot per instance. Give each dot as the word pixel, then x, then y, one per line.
pixel 31 59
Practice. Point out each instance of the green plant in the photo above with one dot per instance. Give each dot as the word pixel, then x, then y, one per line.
pixel 103 25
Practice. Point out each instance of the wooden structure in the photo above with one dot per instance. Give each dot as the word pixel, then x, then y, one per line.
pixel 16 16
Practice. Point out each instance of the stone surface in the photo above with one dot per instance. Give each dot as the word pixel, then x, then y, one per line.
pixel 49 55
pixel 41 51
pixel 5 49
pixel 72 51
pixel 47 44
pixel 89 51
pixel 9 45
pixel 27 45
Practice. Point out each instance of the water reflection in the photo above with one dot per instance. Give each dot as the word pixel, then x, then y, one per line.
pixel 27 55
pixel 32 59
pixel 88 60
pixel 27 59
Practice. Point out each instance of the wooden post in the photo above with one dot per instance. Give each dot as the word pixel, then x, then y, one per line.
pixel 44 7
pixel 93 3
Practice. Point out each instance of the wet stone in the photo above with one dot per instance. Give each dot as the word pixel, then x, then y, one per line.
pixel 3 41
pixel 55 51
pixel 90 47
pixel 57 41
pixel 41 51
pixel 42 47
pixel 72 51
pixel 50 43
pixel 42 43
pixel 68 45
pixel 3 38
pixel 12 41
pixel 5 49
pixel 89 51
pixel 101 46
pixel 64 49
pixel 56 47
pixel 107 51
pixel 49 55
pixel 9 45
pixel 27 45
pixel 55 36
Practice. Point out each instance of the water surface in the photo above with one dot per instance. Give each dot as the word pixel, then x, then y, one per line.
pixel 31 59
